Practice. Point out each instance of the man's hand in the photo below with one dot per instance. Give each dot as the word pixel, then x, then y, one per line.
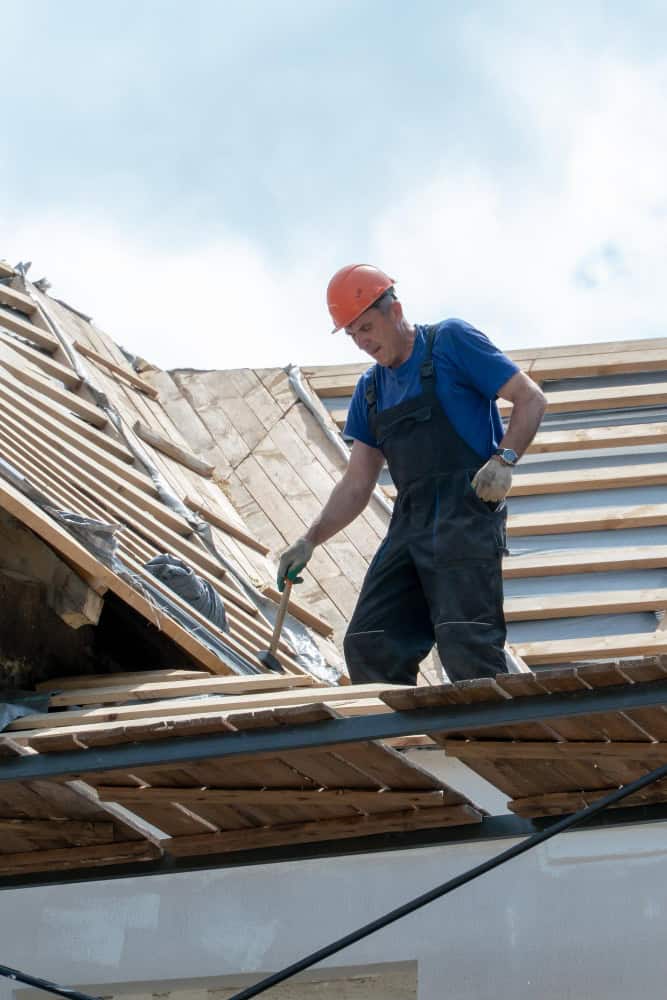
pixel 493 481
pixel 292 561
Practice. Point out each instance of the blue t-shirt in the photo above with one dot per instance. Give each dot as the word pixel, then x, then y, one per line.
pixel 469 370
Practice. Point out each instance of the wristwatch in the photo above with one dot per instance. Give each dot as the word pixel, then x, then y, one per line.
pixel 507 455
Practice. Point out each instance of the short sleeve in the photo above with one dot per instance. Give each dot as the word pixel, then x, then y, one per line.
pixel 356 425
pixel 481 363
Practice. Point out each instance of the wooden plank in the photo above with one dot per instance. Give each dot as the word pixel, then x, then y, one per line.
pixel 655 753
pixel 131 677
pixel 87 411
pixel 587 519
pixel 612 478
pixel 319 830
pixel 585 561
pixel 16 300
pixel 612 398
pixel 571 605
pixel 129 376
pixel 213 517
pixel 39 834
pixel 46 411
pixel 68 858
pixel 173 688
pixel 389 798
pixel 555 804
pixel 10 321
pixel 594 364
pixel 599 437
pixel 167 447
pixel 187 706
pixel 574 350
pixel 54 369
pixel 6 271
pixel 596 647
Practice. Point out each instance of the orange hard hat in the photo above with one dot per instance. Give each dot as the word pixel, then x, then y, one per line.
pixel 353 290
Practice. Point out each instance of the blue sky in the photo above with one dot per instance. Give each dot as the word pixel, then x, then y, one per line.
pixel 191 175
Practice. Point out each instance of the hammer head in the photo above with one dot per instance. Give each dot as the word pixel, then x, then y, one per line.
pixel 271 662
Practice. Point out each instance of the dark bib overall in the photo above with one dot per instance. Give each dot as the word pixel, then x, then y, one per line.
pixel 437 575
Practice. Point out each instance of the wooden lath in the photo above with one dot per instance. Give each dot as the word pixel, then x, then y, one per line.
pixel 563 763
pixel 301 796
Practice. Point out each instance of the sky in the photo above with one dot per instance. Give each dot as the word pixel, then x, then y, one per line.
pixel 191 175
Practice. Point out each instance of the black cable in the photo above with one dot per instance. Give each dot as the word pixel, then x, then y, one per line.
pixel 43 984
pixel 449 886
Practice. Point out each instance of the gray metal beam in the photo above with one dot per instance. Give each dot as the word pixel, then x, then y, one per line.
pixel 179 750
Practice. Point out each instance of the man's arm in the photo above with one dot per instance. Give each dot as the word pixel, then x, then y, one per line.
pixel 494 480
pixel 348 498
pixel 529 406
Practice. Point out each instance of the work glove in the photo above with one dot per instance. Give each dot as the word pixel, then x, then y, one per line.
pixel 292 561
pixel 493 481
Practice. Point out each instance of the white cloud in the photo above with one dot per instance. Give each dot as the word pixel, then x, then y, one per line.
pixel 572 250
pixel 578 257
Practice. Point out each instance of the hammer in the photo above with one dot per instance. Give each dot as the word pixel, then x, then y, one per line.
pixel 268 657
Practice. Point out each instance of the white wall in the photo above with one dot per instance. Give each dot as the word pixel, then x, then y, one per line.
pixel 581 917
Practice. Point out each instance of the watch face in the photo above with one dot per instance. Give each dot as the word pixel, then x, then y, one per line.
pixel 508 455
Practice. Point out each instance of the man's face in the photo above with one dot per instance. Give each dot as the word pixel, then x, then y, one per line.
pixel 378 334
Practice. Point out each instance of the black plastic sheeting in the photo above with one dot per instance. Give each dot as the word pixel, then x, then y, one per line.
pixel 15 704
pixel 183 580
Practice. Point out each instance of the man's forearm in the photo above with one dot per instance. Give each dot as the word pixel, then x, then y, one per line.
pixel 524 423
pixel 343 506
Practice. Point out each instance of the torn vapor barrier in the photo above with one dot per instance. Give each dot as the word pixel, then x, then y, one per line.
pixel 182 579
pixel 15 704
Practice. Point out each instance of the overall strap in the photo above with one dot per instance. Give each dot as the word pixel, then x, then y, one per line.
pixel 372 394
pixel 427 371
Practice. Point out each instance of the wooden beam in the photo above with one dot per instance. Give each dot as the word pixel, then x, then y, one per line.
pixel 16 300
pixel 585 561
pixel 167 447
pixel 45 411
pixel 575 350
pixel 214 518
pixel 186 706
pixel 173 688
pixel 612 398
pixel 594 648
pixel 66 375
pixel 87 411
pixel 53 832
pixel 66 858
pixel 6 271
pixel 10 321
pixel 630 435
pixel 73 600
pixel 614 477
pixel 325 829
pixel 129 376
pixel 575 605
pixel 565 750
pixel 556 803
pixel 120 679
pixel 593 364
pixel 358 799
pixel 587 519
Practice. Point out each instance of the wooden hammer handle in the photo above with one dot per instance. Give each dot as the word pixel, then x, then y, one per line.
pixel 280 617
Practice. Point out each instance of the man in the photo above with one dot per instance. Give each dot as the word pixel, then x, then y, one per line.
pixel 428 407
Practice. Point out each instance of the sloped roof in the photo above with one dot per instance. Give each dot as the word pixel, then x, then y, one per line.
pixel 585 581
